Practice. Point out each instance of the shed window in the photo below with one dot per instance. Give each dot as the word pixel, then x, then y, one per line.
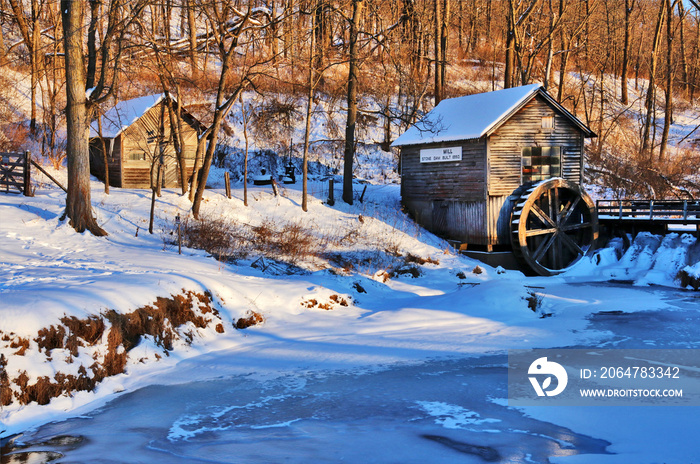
pixel 541 163
pixel 548 122
pixel 137 156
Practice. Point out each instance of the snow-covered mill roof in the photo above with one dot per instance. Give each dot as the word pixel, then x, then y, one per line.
pixel 124 114
pixel 476 116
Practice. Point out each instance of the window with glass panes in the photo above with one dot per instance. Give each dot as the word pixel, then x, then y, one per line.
pixel 541 163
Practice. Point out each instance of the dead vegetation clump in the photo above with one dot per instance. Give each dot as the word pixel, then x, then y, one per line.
pixel 227 240
pixel 160 321
pixel 253 318
pixel 5 389
pixel 408 265
pixel 411 258
pixel 334 301
pixel 22 344
pixel 291 240
pixel 220 236
pixel 534 301
pixel 688 280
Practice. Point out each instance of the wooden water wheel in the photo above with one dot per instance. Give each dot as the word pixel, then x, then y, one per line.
pixel 553 225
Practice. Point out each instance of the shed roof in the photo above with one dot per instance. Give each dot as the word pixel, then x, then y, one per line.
pixel 124 114
pixel 476 116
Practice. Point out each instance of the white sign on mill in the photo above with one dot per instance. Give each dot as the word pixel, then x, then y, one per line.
pixel 440 155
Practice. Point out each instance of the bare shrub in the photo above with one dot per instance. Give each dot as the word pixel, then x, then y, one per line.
pixel 220 236
pixel 274 121
pixel 642 177
pixel 291 241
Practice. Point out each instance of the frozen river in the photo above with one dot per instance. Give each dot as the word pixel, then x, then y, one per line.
pixel 432 411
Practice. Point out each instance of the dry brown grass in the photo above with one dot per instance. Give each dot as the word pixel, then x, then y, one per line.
pixel 334 301
pixel 226 239
pixel 22 344
pixel 5 389
pixel 159 321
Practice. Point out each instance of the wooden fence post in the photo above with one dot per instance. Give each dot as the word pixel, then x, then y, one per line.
pixel 331 192
pixel 227 179
pixel 27 175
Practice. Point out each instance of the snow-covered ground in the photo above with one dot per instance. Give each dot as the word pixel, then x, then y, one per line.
pixel 282 383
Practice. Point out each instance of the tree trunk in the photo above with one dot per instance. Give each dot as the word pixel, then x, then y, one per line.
pixel 653 61
pixel 2 47
pixel 444 40
pixel 550 47
pixel 624 98
pixel 437 11
pixel 684 59
pixel 307 125
pixel 92 43
pixel 78 205
pixel 321 32
pixel 30 39
pixel 246 117
pixel 192 31
pixel 668 108
pixel 105 157
pixel 563 63
pixel 349 153
pixel 510 51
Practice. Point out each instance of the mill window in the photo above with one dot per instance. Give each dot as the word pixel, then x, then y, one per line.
pixel 541 163
pixel 548 122
pixel 137 156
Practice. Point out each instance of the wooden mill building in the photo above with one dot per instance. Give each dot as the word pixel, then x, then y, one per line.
pixel 461 163
pixel 137 136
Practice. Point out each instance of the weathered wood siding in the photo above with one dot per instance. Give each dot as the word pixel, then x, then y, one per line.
pixel 97 164
pixel 447 198
pixel 470 200
pixel 524 129
pixel 141 139
pixel 454 180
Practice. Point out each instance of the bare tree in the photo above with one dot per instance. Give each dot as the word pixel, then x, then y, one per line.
pixel 624 97
pixel 668 107
pixel 78 204
pixel 30 32
pixel 228 25
pixel 650 102
pixel 79 106
pixel 349 155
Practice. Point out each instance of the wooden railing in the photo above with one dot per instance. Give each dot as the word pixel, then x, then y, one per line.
pixel 669 211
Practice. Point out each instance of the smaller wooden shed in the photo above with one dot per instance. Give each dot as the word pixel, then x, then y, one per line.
pixel 137 135
pixel 461 164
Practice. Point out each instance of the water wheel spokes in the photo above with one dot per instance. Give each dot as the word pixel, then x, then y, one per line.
pixel 554 224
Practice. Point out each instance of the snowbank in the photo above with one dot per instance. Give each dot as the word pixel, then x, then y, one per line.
pixel 672 260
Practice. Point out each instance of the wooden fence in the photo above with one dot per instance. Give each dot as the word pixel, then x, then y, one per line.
pixel 15 173
pixel 663 211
